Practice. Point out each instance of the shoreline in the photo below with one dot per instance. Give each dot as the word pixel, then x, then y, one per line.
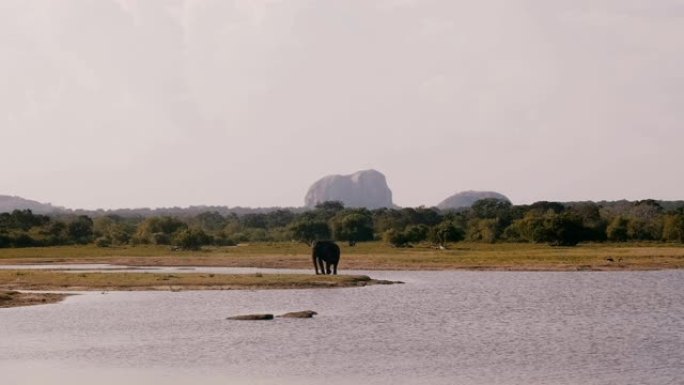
pixel 484 268
pixel 171 261
pixel 13 282
pixel 47 280
pixel 12 298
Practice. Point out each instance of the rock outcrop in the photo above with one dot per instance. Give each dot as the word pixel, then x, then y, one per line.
pixel 252 317
pixel 299 314
pixel 465 199
pixel 267 317
pixel 362 189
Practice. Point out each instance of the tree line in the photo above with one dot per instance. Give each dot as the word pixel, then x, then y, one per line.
pixel 488 220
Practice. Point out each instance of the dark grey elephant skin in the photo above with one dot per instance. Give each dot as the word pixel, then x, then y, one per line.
pixel 326 255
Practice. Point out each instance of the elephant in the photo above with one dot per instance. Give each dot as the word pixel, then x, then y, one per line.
pixel 325 252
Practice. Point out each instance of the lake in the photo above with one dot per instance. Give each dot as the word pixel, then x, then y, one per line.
pixel 454 327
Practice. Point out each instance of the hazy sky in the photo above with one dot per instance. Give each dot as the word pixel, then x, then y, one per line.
pixel 133 103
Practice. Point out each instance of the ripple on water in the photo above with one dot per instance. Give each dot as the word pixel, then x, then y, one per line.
pixel 438 328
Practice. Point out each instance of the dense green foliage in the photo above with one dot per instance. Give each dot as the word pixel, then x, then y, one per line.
pixel 487 221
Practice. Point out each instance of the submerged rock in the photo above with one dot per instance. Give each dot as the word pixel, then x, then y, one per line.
pixel 299 314
pixel 251 317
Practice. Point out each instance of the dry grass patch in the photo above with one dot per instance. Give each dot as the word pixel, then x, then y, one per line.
pixel 15 298
pixel 375 256
pixel 55 280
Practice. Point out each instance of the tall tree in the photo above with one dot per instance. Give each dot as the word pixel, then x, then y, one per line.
pixel 307 230
pixel 352 226
pixel 80 229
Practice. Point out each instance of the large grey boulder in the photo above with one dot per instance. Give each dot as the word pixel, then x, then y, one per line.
pixel 465 199
pixel 366 188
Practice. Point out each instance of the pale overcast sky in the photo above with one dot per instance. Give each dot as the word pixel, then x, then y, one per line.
pixel 134 103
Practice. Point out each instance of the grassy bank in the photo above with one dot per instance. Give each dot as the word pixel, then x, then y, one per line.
pixel 375 256
pixel 56 280
pixel 15 298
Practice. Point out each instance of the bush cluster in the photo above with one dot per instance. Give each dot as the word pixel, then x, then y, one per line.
pixel 488 220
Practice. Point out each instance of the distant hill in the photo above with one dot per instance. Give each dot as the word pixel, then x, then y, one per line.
pixel 465 199
pixel 10 203
pixel 366 188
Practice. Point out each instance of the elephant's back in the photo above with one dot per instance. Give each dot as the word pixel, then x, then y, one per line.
pixel 327 250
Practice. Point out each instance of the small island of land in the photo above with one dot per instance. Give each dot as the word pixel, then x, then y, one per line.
pixel 12 280
pixel 15 298
pixel 74 281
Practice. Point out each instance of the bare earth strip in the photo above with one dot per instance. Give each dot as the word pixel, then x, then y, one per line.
pixel 56 280
pixel 375 256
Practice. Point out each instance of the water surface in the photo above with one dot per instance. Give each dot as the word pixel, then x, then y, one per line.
pixel 438 328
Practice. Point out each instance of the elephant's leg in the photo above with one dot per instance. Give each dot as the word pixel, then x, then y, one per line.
pixel 335 268
pixel 315 262
pixel 327 267
pixel 320 264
